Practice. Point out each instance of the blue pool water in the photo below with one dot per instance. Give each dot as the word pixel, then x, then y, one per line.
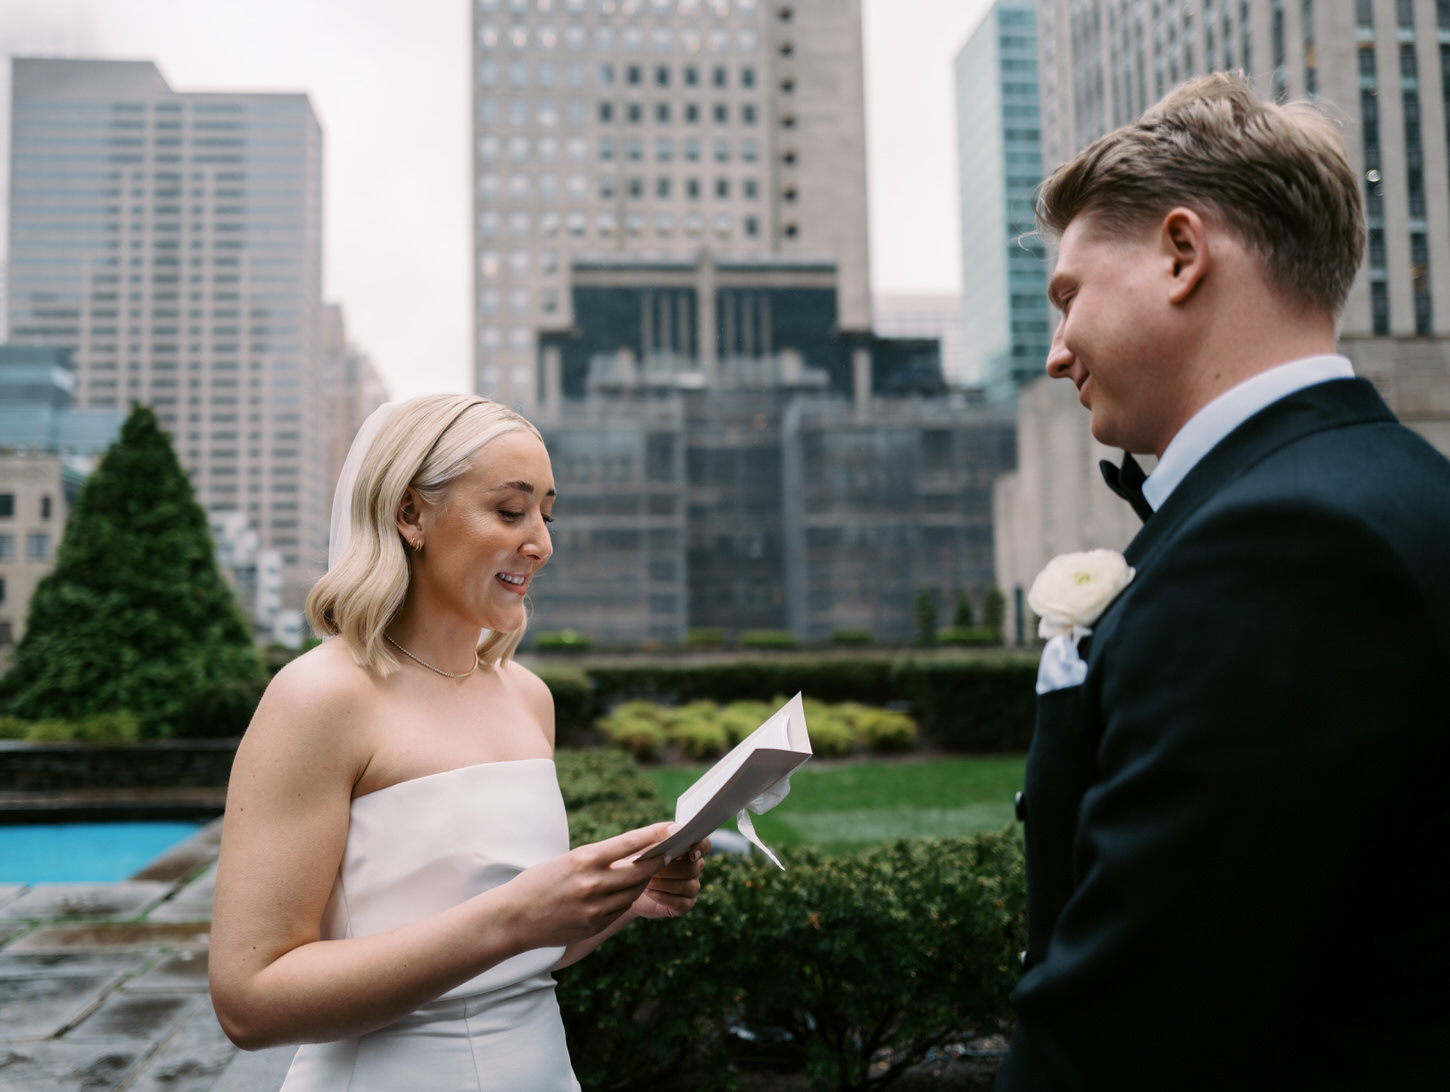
pixel 84 852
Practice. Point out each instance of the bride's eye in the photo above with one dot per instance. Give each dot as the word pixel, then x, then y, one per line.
pixel 509 514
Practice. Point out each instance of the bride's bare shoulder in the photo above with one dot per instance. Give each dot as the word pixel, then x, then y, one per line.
pixel 320 691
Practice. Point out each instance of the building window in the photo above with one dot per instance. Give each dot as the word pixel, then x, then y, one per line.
pixel 692 188
pixel 1379 294
pixel 664 149
pixel 692 113
pixel 606 111
pixel 7 505
pixel 690 149
pixel 749 150
pixel 606 149
pixel 750 188
pixel 692 76
pixel 662 113
pixel 720 76
pixel 722 151
pixel 37 546
pixel 722 188
pixel 7 547
pixel 662 186
pixel 662 75
pixel 636 188
pixel 752 227
pixel 634 113
pixel 606 75
pixel 722 114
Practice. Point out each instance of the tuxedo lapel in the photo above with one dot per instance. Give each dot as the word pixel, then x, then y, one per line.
pixel 1335 404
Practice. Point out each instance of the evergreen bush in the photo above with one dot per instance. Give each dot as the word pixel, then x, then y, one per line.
pixel 135 616
pixel 994 611
pixel 768 638
pixel 573 701
pixel 564 640
pixel 851 637
pixel 966 637
pixel 987 703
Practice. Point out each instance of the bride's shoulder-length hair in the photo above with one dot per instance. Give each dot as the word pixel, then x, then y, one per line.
pixel 426 443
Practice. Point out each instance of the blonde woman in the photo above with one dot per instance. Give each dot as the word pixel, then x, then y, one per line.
pixel 395 882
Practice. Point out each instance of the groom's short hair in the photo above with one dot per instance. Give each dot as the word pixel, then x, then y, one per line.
pixel 1278 176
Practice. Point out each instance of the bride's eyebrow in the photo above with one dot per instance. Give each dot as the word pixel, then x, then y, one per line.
pixel 522 487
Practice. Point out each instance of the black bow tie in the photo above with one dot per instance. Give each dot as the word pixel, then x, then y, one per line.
pixel 1128 484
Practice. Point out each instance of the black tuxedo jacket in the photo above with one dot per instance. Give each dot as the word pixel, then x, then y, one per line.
pixel 1238 827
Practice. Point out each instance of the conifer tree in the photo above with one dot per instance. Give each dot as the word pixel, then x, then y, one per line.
pixel 962 614
pixel 994 610
pixel 135 615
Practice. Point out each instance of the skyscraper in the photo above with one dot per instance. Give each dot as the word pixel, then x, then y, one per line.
pixel 1005 321
pixel 173 241
pixel 657 129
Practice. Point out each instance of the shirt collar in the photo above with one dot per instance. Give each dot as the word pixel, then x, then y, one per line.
pixel 1229 410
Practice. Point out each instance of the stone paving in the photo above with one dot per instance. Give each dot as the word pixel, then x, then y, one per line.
pixel 103 987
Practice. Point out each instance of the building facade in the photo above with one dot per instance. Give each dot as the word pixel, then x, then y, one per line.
pixel 1005 319
pixel 728 457
pixel 656 128
pixel 933 315
pixel 354 389
pixel 173 242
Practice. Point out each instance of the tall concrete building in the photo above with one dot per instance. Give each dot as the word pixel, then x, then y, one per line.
pixel 809 478
pixel 657 129
pixel 936 315
pixel 354 389
pixel 173 242
pixel 1006 326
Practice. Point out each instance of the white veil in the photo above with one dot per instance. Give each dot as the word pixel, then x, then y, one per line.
pixel 342 498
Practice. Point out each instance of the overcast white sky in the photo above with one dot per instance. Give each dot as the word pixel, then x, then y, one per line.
pixel 389 82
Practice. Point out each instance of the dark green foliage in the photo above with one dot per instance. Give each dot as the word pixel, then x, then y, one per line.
pixel 994 610
pixel 606 794
pixel 982 704
pixel 573 701
pixel 966 637
pixel 705 637
pixel 851 637
pixel 962 612
pixel 925 614
pixel 565 640
pixel 768 638
pixel 967 702
pixel 883 955
pixel 866 679
pixel 135 616
pixel 219 709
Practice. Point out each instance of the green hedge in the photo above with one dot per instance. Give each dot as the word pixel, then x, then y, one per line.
pixel 972 702
pixel 877 957
pixel 573 701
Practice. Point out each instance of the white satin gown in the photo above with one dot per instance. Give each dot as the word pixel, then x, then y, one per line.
pixel 414 849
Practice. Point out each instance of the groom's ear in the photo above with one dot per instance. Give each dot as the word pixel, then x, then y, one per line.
pixel 1184 240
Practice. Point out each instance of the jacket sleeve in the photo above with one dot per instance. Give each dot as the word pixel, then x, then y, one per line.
pixel 1255 855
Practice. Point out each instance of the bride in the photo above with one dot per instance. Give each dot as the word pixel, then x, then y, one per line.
pixel 395 881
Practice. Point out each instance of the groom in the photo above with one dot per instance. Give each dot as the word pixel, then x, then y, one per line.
pixel 1238 824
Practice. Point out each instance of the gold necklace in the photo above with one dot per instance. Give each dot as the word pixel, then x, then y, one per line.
pixel 430 667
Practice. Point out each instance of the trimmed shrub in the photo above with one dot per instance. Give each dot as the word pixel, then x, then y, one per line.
pixel 573 700
pixel 865 963
pixel 605 793
pixel 564 640
pixel 221 709
pixel 994 610
pixel 705 637
pixel 982 704
pixel 831 730
pixel 966 637
pixel 740 718
pixel 884 730
pixel 768 638
pixel 13 727
pixel 850 637
pixel 637 727
pixel 119 726
pixel 867 679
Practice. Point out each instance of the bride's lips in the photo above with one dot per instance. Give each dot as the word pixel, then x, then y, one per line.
pixel 507 582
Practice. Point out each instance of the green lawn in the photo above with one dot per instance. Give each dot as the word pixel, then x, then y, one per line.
pixel 841 806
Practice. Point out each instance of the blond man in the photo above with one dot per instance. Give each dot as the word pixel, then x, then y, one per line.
pixel 1235 818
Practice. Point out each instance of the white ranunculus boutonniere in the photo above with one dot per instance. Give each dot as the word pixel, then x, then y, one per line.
pixel 1069 595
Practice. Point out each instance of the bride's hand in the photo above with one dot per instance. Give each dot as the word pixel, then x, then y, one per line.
pixel 671 893
pixel 579 894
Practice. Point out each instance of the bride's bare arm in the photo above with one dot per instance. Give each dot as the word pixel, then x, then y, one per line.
pixel 273 979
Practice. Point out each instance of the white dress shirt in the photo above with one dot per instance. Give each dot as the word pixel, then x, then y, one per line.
pixel 1231 409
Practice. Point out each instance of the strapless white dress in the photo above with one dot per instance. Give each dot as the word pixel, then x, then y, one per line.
pixel 420 847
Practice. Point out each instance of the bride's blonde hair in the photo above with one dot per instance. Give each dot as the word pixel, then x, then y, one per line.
pixel 425 443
